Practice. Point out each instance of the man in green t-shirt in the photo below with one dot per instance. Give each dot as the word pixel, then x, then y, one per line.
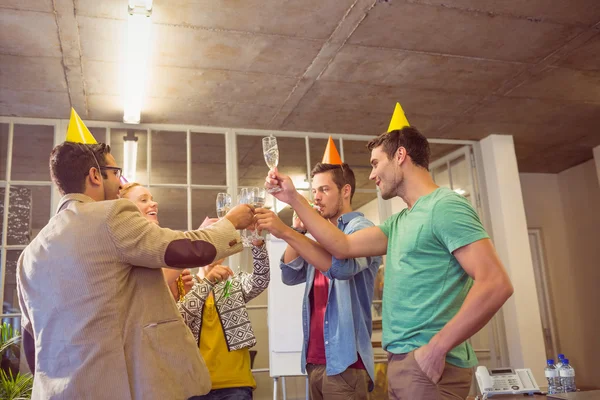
pixel 443 280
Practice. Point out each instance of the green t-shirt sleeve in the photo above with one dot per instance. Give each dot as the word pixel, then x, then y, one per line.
pixel 386 226
pixel 455 223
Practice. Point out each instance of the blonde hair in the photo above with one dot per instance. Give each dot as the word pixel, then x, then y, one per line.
pixel 127 188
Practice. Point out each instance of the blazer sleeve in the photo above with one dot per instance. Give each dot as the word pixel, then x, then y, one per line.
pixel 143 243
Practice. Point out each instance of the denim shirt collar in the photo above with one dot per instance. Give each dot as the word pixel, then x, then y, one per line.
pixel 345 219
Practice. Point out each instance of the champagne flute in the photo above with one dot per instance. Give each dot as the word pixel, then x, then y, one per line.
pixel 223 204
pixel 271 153
pixel 258 196
pixel 244 197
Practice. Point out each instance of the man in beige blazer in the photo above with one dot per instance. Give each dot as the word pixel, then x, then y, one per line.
pixel 99 321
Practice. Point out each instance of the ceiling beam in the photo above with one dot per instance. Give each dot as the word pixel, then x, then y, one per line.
pixel 70 44
pixel 348 24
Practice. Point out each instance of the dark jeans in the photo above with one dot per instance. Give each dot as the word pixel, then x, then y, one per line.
pixel 241 393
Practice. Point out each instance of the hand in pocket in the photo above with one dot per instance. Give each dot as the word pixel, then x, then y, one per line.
pixel 431 363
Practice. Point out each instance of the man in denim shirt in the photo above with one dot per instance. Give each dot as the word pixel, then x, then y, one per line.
pixel 337 352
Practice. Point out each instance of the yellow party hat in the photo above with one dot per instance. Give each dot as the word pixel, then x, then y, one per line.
pixel 331 155
pixel 399 120
pixel 77 131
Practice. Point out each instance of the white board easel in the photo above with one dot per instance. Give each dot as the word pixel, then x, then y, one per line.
pixel 284 321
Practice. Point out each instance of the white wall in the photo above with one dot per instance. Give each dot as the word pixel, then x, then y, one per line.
pixel 398 205
pixel 371 211
pixel 565 207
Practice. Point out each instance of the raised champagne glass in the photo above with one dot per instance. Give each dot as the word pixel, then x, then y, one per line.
pixel 271 153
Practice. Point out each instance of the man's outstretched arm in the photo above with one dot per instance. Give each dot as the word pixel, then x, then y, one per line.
pixel 366 242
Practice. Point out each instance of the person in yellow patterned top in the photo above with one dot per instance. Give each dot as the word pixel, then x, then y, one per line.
pixel 215 311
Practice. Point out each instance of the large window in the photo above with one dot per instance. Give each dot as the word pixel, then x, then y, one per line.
pixel 25 200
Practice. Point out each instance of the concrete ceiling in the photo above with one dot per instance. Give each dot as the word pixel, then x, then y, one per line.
pixel 462 69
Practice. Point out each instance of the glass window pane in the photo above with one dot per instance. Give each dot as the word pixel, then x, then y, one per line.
pixel 252 168
pixel 441 176
pixel 203 205
pixel 292 161
pixel 357 156
pixel 116 149
pixel 169 157
pixel 208 159
pixel 11 301
pixel 439 150
pixel 3 150
pixel 99 134
pixel 30 163
pixel 461 182
pixel 172 207
pixel 29 212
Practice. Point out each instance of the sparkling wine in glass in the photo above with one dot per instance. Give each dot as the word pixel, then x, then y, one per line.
pixel 245 197
pixel 271 153
pixel 223 204
pixel 258 196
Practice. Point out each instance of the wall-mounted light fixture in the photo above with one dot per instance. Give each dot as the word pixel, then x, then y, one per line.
pixel 130 145
pixel 136 58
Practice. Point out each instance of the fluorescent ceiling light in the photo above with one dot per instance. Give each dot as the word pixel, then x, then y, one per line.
pixel 136 58
pixel 130 145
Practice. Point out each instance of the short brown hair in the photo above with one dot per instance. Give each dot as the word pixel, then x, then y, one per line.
pixel 409 137
pixel 342 175
pixel 70 163
pixel 127 188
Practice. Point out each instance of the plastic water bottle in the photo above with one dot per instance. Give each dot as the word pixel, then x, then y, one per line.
pixel 559 363
pixel 554 385
pixel 567 377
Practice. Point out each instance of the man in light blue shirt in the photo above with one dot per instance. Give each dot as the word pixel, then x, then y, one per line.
pixel 337 351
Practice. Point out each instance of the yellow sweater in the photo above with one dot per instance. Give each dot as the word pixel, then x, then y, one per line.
pixel 228 369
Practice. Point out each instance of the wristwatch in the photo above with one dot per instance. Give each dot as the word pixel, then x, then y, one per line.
pixel 301 231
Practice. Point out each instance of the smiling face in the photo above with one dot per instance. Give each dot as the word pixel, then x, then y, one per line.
pixel 386 173
pixel 144 201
